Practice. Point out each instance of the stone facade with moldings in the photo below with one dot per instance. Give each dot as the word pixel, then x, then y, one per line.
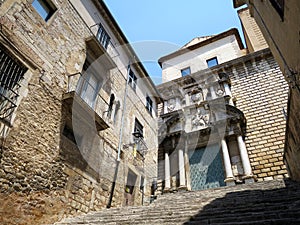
pixel 52 163
pixel 254 87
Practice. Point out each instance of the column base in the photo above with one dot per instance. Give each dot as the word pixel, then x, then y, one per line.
pixel 182 188
pixel 230 181
pixel 167 190
pixel 249 179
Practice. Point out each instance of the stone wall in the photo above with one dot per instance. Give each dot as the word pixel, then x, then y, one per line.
pixel 43 173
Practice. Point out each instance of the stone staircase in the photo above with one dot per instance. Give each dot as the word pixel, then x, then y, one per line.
pixel 271 202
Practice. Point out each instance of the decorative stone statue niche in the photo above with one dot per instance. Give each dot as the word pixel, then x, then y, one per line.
pixel 200 119
pixel 171 105
pixel 196 96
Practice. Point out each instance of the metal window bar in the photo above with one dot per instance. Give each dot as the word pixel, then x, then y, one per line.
pixel 101 35
pixel 11 73
pixel 104 39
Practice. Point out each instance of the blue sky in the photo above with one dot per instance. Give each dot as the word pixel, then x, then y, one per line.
pixel 158 27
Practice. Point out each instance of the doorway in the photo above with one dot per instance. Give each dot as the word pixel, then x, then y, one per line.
pixel 130 188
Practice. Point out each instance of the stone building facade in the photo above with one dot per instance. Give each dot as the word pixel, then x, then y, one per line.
pixel 223 125
pixel 77 113
pixel 279 22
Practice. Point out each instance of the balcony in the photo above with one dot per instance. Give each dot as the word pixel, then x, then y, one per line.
pixel 84 101
pixel 100 45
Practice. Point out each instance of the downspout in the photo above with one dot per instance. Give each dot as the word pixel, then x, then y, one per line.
pixel 123 115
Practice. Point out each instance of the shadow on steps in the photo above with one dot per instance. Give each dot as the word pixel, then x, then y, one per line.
pixel 278 206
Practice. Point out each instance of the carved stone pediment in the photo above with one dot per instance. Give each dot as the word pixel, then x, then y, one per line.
pixel 200 118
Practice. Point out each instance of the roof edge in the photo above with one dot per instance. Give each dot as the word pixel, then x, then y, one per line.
pixel 232 31
pixel 238 3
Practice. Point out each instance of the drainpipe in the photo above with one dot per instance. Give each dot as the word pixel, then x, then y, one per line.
pixel 120 142
pixel 123 115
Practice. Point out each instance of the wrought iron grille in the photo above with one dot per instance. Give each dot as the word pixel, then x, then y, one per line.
pixel 102 36
pixel 11 72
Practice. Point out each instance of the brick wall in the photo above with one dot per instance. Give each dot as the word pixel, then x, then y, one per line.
pixel 261 94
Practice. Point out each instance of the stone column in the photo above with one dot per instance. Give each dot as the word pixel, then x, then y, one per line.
pixel 187 164
pixel 182 184
pixel 228 169
pixel 248 176
pixel 228 92
pixel 212 92
pixel 227 89
pixel 187 99
pixel 167 173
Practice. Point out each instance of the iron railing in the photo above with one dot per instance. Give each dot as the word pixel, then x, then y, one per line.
pixel 11 73
pixel 89 92
pixel 104 39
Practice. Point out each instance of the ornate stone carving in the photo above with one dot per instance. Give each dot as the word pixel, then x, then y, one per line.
pixel 171 105
pixel 200 119
pixel 220 92
pixel 196 97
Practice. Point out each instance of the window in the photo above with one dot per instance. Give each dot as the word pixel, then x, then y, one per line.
pixel 212 62
pixel 142 183
pixel 89 84
pixel 11 73
pixel 186 71
pixel 138 128
pixel 132 79
pixel 89 88
pixel 138 134
pixel 102 36
pixel 45 8
pixel 149 104
pixel 279 6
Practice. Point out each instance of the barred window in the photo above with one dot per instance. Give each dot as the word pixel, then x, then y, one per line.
pixel 102 36
pixel 11 73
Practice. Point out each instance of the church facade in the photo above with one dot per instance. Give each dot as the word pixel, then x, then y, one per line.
pixel 221 123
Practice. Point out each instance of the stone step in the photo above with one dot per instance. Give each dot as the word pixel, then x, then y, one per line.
pixel 291 221
pixel 275 202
